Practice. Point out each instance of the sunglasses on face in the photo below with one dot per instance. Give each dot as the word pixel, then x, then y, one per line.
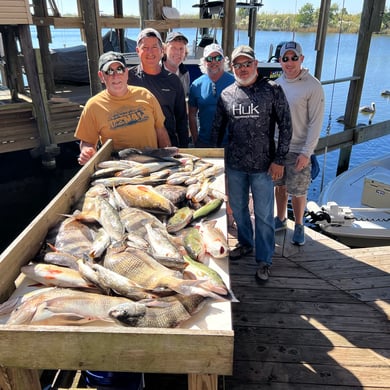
pixel 217 58
pixel 246 64
pixel 118 70
pixel 293 58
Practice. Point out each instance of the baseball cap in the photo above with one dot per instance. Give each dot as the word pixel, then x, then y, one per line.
pixel 176 36
pixel 108 58
pixel 214 47
pixel 147 33
pixel 293 46
pixel 243 50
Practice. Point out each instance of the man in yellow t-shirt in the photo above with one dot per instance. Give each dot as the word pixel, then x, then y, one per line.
pixel 130 116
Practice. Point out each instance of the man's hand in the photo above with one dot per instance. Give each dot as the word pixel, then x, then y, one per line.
pixel 276 171
pixel 87 150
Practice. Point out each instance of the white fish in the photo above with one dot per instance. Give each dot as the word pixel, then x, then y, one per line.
pixel 160 243
pixel 136 241
pixel 100 244
pixel 111 280
pixel 99 209
pixel 109 218
pixel 193 189
pixel 135 220
pixel 214 240
pixel 54 275
pixel 215 170
pixel 69 307
pixel 147 272
pixel 114 181
pixel 203 192
pixel 124 164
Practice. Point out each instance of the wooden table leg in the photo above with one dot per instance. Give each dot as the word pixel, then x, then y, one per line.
pixel 19 378
pixel 202 382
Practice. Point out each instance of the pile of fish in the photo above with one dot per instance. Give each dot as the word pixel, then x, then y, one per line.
pixel 135 249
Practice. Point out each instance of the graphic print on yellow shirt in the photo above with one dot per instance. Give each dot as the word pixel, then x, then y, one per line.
pixel 130 121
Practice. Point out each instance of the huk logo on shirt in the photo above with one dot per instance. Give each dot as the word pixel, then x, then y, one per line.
pixel 245 110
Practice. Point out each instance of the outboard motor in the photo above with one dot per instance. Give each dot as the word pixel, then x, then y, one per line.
pixel 276 55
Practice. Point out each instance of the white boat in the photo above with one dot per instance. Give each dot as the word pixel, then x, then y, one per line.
pixel 355 206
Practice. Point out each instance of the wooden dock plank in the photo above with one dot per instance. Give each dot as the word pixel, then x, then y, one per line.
pixel 316 375
pixel 310 327
pixel 310 338
pixel 357 282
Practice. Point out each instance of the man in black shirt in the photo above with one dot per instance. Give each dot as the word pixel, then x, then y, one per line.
pixel 164 85
pixel 251 107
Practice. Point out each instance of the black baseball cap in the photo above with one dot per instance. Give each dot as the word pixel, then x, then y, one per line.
pixel 106 59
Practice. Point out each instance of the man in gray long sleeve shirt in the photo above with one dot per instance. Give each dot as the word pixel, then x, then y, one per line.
pixel 306 99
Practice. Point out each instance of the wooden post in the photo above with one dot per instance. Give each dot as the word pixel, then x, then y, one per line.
pixel 44 38
pixel 158 15
pixel 3 76
pixel 370 22
pixel 144 14
pixel 321 36
pixel 12 67
pixel 165 3
pixel 35 88
pixel 229 21
pixel 19 378
pixel 90 15
pixel 202 382
pixel 157 10
pixel 118 13
pixel 252 25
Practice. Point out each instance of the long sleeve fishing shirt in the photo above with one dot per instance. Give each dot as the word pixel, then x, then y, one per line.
pixel 251 113
pixel 306 99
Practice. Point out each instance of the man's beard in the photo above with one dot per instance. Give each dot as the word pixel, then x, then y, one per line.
pixel 246 82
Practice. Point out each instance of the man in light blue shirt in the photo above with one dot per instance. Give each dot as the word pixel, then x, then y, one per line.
pixel 204 94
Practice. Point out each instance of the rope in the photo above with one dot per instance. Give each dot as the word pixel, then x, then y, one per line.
pixel 329 126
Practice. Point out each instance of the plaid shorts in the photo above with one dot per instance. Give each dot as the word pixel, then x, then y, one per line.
pixel 297 182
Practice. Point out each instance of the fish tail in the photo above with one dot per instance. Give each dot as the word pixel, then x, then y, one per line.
pixel 191 287
pixel 208 285
pixel 184 287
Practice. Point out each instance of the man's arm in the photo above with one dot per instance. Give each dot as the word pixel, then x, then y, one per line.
pixel 219 125
pixel 192 121
pixel 162 137
pixel 181 116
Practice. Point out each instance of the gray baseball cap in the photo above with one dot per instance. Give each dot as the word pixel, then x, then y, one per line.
pixel 176 36
pixel 293 46
pixel 245 51
pixel 147 33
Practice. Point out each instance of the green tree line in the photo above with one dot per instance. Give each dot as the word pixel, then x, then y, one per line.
pixel 306 20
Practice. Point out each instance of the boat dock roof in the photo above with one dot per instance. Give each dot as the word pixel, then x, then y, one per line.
pixel 320 322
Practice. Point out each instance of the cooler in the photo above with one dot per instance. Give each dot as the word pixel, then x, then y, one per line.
pixel 376 191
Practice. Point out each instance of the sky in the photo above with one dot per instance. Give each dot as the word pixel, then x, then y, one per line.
pixel 282 6
pixel 186 6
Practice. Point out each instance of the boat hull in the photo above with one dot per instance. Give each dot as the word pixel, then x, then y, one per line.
pixel 370 225
pixel 359 238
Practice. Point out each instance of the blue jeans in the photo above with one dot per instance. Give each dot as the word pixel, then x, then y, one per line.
pixel 262 188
